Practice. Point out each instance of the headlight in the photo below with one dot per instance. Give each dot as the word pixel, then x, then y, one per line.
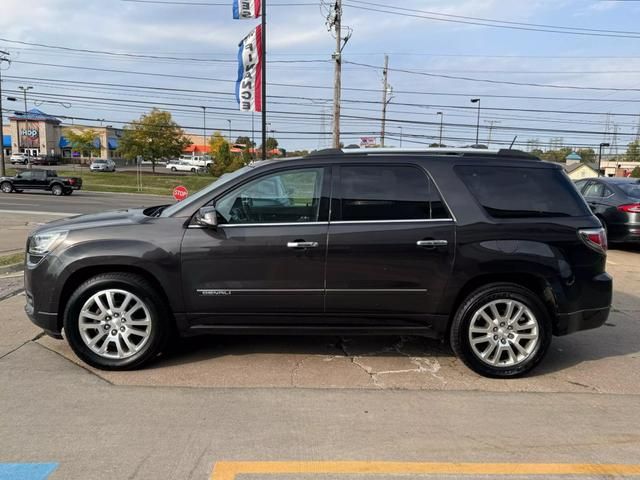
pixel 42 243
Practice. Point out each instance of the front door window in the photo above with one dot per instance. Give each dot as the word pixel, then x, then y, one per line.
pixel 285 197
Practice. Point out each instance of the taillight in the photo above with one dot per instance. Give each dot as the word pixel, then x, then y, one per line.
pixel 72 181
pixel 595 238
pixel 630 208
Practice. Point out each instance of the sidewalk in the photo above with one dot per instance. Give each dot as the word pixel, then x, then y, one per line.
pixel 16 227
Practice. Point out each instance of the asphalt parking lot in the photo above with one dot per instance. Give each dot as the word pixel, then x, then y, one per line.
pixel 374 407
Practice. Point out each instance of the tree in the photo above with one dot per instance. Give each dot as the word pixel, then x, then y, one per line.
pixel 216 142
pixel 245 141
pixel 636 172
pixel 272 144
pixel 588 155
pixel 225 161
pixel 633 151
pixel 154 136
pixel 83 142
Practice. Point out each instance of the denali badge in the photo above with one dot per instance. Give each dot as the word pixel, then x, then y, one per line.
pixel 211 293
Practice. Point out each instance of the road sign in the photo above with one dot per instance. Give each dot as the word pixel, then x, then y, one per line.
pixel 180 193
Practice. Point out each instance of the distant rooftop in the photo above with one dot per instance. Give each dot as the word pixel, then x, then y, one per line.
pixel 35 115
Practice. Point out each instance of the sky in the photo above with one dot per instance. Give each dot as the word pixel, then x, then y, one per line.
pixel 182 57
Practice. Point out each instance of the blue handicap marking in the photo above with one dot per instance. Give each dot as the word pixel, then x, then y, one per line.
pixel 26 471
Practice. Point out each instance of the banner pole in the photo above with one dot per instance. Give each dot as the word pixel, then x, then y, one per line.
pixel 264 79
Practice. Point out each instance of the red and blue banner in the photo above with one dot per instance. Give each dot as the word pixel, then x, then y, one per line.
pixel 247 9
pixel 250 65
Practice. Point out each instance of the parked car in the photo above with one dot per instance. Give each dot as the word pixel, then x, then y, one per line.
pixel 40 180
pixel 494 251
pixel 45 160
pixel 197 160
pixel 19 159
pixel 101 165
pixel 181 166
pixel 616 202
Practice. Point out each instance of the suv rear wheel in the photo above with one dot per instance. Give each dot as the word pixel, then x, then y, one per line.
pixel 501 330
pixel 113 321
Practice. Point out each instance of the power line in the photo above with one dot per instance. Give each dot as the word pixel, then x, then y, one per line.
pixel 491 23
pixel 501 82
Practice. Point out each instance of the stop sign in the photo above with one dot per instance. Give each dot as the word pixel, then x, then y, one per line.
pixel 180 193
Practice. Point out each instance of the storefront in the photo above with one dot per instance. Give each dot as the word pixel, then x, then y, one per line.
pixel 37 133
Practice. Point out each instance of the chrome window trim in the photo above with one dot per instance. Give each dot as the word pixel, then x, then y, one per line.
pixel 423 220
pixel 313 290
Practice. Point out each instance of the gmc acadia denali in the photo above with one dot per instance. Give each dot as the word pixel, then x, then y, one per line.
pixel 494 251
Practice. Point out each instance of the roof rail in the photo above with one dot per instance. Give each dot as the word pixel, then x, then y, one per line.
pixel 326 151
pixel 504 152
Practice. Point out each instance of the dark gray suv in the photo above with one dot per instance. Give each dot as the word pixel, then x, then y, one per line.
pixel 494 251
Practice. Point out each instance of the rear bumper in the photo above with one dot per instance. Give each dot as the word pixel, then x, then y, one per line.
pixel 567 323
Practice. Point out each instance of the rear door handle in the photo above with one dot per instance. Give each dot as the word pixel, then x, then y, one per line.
pixel 302 244
pixel 432 243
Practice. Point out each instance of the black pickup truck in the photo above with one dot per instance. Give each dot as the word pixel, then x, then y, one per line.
pixel 40 180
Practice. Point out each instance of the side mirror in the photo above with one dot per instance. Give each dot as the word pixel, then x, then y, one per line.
pixel 207 217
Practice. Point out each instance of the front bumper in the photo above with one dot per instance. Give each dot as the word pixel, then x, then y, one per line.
pixel 46 321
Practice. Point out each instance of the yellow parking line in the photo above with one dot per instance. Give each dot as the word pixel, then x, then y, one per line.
pixel 229 470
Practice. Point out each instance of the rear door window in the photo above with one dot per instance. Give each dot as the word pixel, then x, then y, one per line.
pixel 522 192
pixel 388 192
pixel 594 190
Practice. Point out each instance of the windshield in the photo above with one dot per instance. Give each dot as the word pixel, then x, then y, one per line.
pixel 99 161
pixel 227 177
pixel 631 189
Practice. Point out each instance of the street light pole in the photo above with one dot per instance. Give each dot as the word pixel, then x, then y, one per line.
pixel 24 91
pixel 229 121
pixel 600 155
pixel 3 58
pixel 477 100
pixel 204 129
pixel 441 119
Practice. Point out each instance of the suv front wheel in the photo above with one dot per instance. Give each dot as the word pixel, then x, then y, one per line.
pixel 501 330
pixel 114 321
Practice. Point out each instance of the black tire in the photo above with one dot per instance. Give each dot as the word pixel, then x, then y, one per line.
pixel 459 335
pixel 57 190
pixel 193 170
pixel 135 284
pixel 174 169
pixel 68 192
pixel 6 187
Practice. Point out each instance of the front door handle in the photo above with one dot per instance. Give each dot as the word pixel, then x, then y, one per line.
pixel 432 243
pixel 302 244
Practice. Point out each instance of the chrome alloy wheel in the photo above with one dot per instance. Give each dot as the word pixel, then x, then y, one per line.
pixel 504 333
pixel 114 324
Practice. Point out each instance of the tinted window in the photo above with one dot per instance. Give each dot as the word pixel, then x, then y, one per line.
pixel 284 197
pixel 580 184
pixel 26 175
pixel 594 189
pixel 39 175
pixel 631 189
pixel 513 192
pixel 387 192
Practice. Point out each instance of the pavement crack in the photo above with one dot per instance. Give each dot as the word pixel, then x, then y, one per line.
pixel 584 385
pixel 40 335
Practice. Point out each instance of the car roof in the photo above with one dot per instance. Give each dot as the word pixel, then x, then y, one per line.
pixel 619 180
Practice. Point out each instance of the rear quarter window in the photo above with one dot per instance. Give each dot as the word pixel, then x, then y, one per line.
pixel 521 192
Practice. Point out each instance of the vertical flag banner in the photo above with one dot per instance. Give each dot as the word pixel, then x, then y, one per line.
pixel 246 9
pixel 250 64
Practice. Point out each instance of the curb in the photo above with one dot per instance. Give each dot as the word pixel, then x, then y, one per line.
pixel 16 267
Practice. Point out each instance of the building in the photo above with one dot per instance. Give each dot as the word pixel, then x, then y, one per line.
pixel 617 168
pixel 576 169
pixel 37 133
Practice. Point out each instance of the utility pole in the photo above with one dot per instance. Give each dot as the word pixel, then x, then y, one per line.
pixel 337 80
pixel 385 101
pixel 491 123
pixel 3 58
pixel 264 78
pixel 477 100
pixel 441 120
